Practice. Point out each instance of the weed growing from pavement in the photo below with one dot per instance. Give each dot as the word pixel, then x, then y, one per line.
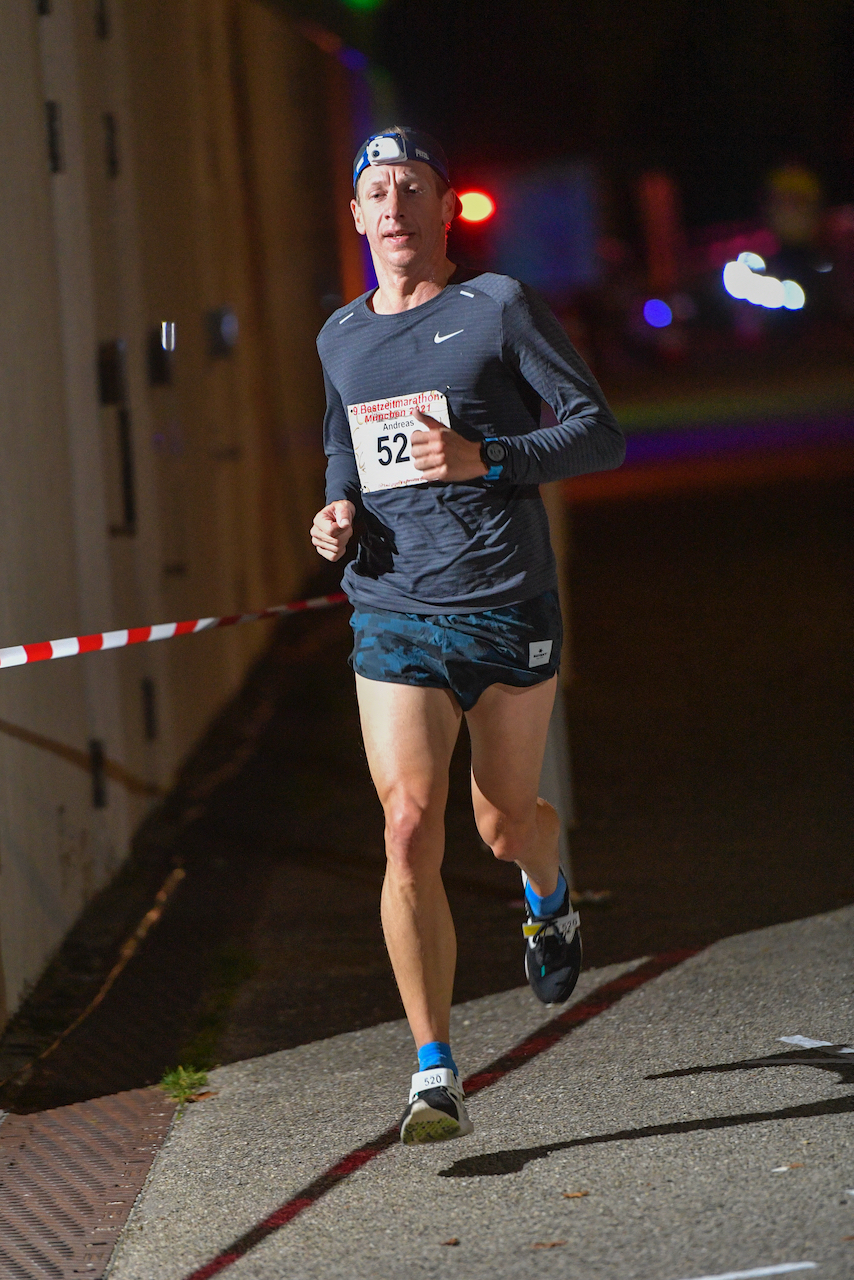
pixel 183 1083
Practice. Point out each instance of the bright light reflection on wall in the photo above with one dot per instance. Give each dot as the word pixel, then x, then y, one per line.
pixel 743 279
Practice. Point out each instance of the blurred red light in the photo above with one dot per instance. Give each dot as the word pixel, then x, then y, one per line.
pixel 477 206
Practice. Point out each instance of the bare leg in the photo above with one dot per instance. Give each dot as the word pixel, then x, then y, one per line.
pixel 409 736
pixel 508 729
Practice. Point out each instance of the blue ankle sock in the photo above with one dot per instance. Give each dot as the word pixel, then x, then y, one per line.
pixel 546 906
pixel 436 1054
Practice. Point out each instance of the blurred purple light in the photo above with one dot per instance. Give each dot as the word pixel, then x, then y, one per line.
pixel 711 440
pixel 657 313
pixel 352 59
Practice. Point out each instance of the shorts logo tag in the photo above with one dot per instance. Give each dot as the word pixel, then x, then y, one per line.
pixel 539 652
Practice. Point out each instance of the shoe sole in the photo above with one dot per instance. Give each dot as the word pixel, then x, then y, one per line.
pixel 428 1125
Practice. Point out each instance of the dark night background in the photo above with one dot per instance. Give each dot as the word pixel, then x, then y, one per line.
pixel 714 91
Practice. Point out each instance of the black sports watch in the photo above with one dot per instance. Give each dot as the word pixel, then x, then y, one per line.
pixel 493 455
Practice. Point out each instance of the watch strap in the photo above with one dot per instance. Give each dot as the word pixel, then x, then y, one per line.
pixel 495 470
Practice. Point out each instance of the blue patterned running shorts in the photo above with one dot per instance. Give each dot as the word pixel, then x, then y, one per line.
pixel 465 652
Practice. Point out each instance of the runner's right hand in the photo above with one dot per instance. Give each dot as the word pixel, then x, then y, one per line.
pixel 332 529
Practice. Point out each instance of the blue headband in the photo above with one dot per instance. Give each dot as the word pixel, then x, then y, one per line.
pixel 397 146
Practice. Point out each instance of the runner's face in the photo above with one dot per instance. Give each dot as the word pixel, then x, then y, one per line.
pixel 402 214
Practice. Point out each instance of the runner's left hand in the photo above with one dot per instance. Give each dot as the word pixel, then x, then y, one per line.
pixel 442 454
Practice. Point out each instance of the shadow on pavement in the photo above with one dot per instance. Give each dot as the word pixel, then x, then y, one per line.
pixel 823 1059
pixel 495 1163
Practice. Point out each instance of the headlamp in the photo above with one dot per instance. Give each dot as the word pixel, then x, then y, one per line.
pixel 397 146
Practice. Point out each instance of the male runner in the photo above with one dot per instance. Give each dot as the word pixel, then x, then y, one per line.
pixel 454 586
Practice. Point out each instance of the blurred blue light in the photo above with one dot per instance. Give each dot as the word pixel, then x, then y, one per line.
pixel 546 230
pixel 352 59
pixel 657 313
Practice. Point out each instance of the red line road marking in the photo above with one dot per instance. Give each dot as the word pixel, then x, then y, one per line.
pixel 537 1042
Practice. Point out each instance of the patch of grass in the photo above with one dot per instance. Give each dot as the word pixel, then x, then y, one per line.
pixel 182 1083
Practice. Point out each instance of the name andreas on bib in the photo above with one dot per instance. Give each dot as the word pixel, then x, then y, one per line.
pixel 381 431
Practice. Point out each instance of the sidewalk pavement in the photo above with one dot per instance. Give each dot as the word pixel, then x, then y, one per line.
pixel 704 1145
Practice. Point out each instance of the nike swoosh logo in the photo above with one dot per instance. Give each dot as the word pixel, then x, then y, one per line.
pixel 445 336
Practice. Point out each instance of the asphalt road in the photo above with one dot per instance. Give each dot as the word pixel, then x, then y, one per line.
pixel 673 1135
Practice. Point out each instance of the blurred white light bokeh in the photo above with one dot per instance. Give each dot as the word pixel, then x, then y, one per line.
pixel 743 280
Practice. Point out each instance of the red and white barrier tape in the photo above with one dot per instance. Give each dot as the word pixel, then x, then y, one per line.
pixel 18 654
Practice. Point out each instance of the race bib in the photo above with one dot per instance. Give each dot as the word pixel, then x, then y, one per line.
pixel 381 432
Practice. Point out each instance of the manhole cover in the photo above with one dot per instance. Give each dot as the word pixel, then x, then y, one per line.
pixel 68 1180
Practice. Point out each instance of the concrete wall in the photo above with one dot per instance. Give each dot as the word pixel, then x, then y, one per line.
pixel 192 173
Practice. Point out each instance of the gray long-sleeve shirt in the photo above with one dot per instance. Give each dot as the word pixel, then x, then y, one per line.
pixel 494 348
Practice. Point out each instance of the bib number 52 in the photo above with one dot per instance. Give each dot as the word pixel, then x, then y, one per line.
pixel 386 456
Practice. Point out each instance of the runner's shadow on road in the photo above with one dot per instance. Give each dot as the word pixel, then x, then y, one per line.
pixel 494 1163
pixel 827 1058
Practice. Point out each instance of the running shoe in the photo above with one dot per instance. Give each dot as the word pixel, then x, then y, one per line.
pixel 436 1109
pixel 552 952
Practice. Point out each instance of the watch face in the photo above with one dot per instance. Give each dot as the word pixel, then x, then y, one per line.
pixel 495 452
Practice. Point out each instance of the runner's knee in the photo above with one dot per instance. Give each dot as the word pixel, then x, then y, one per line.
pixel 506 837
pixel 509 836
pixel 410 833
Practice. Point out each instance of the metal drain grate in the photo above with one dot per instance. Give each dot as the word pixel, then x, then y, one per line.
pixel 68 1180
